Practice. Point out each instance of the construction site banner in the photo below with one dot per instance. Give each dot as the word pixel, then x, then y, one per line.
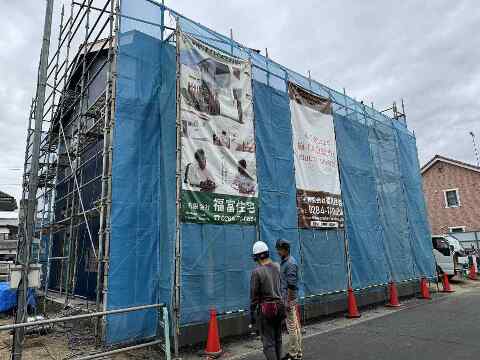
pixel 218 167
pixel 319 203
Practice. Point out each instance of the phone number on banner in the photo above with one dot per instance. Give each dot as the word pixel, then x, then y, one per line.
pixel 203 207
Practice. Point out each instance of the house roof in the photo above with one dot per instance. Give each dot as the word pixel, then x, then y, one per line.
pixel 8 222
pixel 7 202
pixel 439 158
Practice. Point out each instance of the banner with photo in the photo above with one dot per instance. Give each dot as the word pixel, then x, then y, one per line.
pixel 218 168
pixel 319 203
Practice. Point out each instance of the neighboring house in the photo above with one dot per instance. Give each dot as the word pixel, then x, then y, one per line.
pixel 8 238
pixel 8 230
pixel 7 202
pixel 452 194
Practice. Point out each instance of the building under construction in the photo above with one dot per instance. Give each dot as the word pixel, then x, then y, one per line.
pixel 121 221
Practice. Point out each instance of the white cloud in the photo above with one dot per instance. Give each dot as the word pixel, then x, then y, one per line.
pixel 380 51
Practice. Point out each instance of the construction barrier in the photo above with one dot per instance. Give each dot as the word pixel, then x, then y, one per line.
pixel 381 232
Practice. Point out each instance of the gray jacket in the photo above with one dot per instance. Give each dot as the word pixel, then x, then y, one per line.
pixel 289 276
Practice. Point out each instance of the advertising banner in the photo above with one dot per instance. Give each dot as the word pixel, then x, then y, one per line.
pixel 319 203
pixel 218 168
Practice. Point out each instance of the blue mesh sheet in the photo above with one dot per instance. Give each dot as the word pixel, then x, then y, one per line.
pixel 415 205
pixel 386 224
pixel 278 212
pixel 391 203
pixel 321 253
pixel 276 179
pixel 323 263
pixel 143 185
pixel 359 193
pixel 216 265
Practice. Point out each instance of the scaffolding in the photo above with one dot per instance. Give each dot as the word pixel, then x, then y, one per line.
pixel 71 232
pixel 74 197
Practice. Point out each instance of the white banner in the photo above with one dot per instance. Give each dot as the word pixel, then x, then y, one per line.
pixel 315 155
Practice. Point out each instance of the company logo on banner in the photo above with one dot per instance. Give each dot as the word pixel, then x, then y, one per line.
pixel 218 169
pixel 319 203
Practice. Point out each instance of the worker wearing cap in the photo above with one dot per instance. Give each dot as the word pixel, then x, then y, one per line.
pixel 266 305
pixel 289 283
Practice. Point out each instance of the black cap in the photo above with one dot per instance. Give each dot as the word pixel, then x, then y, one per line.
pixel 283 244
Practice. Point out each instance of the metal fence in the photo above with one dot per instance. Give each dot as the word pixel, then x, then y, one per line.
pixel 163 331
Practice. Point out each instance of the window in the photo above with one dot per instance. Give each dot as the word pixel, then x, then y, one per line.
pixel 456 229
pixel 451 198
pixel 440 244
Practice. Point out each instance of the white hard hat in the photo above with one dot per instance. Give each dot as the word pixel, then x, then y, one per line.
pixel 259 247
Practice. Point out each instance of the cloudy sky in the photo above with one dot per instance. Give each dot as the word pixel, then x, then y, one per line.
pixel 426 52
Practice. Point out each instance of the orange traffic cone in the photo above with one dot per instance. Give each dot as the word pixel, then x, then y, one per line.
pixel 446 284
pixel 352 305
pixel 213 348
pixel 424 291
pixel 393 295
pixel 472 274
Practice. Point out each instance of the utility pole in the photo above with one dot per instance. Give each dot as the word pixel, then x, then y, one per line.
pixel 475 149
pixel 27 228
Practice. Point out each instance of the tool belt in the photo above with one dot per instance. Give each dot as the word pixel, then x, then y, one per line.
pixel 273 310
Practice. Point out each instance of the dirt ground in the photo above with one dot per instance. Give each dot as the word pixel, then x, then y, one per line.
pixel 62 342
pixel 68 341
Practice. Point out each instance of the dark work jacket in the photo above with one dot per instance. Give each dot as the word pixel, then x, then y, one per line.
pixel 264 285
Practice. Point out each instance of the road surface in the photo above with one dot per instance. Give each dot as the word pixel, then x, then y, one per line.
pixel 447 327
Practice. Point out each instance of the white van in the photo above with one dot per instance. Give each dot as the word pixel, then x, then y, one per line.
pixel 443 253
pixel 449 255
pixel 460 257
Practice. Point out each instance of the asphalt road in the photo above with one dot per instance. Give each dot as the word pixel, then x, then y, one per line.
pixel 447 327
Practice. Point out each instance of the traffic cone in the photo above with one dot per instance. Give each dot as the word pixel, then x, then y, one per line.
pixel 213 348
pixel 424 291
pixel 352 305
pixel 393 302
pixel 446 284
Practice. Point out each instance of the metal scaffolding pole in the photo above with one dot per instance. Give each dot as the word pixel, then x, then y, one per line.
pixel 26 239
pixel 73 241
pixel 76 122
pixel 52 190
pixel 106 194
pixel 178 247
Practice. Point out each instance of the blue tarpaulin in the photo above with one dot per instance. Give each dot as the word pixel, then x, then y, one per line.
pixel 8 297
pixel 386 225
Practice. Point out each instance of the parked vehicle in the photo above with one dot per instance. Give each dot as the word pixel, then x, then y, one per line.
pixel 450 255
pixel 460 256
pixel 443 253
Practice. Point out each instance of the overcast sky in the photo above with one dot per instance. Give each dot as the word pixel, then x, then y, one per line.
pixel 426 52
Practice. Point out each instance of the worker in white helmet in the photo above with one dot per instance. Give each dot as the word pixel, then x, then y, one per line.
pixel 266 307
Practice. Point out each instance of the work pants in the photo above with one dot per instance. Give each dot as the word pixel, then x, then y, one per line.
pixel 271 334
pixel 294 333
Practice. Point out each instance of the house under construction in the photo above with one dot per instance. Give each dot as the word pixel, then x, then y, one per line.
pixel 109 229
